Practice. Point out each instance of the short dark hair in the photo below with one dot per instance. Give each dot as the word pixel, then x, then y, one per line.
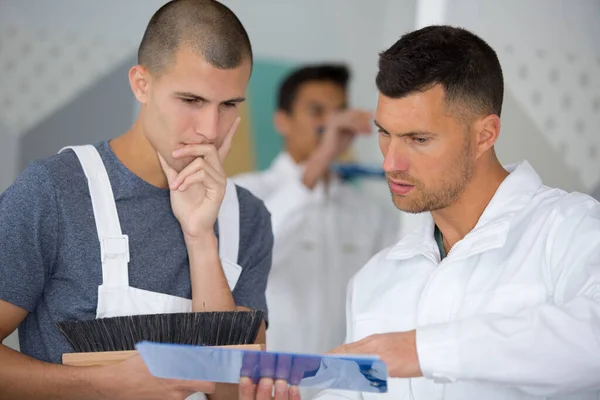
pixel 339 74
pixel 208 27
pixel 464 64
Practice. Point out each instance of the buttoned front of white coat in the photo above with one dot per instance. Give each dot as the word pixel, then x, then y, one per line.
pixel 513 311
pixel 322 238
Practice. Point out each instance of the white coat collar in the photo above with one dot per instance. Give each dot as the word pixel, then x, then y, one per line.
pixel 491 231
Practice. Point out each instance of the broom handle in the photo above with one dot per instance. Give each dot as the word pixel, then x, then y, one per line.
pixel 114 357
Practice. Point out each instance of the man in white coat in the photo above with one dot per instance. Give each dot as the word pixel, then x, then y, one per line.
pixel 497 294
pixel 325 229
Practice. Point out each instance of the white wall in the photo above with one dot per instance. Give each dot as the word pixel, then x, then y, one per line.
pixel 550 55
pixel 8 147
pixel 12 341
pixel 51 55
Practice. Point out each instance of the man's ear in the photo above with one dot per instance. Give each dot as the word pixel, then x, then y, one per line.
pixel 139 80
pixel 281 121
pixel 487 131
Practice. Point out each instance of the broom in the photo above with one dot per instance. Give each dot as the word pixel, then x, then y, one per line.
pixel 105 341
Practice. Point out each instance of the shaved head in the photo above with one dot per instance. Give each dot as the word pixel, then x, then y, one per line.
pixel 207 27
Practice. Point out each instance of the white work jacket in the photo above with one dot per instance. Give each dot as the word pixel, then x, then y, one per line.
pixel 513 311
pixel 322 238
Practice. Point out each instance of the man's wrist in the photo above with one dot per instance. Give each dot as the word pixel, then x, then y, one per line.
pixel 316 167
pixel 102 380
pixel 203 240
pixel 323 155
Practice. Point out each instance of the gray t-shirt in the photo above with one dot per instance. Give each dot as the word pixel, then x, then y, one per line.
pixel 50 254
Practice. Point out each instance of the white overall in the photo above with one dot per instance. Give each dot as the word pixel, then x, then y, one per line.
pixel 115 296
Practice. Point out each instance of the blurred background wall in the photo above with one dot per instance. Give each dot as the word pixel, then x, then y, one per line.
pixel 64 63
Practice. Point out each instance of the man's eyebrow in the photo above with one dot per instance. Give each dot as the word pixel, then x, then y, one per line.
pixel 381 128
pixel 414 133
pixel 235 100
pixel 190 95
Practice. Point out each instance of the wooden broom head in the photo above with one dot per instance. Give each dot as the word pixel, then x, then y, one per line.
pixel 220 328
pixel 98 358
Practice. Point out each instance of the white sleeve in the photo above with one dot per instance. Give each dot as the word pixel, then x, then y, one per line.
pixel 545 351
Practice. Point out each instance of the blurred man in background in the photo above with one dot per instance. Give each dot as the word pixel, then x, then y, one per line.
pixel 325 229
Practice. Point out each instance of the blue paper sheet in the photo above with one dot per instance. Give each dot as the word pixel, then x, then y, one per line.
pixel 227 365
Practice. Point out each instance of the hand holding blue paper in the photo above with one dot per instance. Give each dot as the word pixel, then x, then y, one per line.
pixel 226 365
pixel 279 366
pixel 260 372
pixel 398 350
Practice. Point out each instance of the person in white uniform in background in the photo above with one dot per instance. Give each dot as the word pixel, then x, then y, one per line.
pixel 145 223
pixel 497 294
pixel 325 229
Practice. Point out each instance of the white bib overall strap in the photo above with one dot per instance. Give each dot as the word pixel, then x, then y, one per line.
pixel 115 296
pixel 114 246
pixel 229 234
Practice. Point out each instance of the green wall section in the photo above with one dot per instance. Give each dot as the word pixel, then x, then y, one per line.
pixel 262 95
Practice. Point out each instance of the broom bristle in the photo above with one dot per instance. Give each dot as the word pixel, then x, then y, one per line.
pixel 201 328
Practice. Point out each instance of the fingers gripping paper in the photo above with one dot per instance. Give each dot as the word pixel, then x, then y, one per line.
pixel 353 373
